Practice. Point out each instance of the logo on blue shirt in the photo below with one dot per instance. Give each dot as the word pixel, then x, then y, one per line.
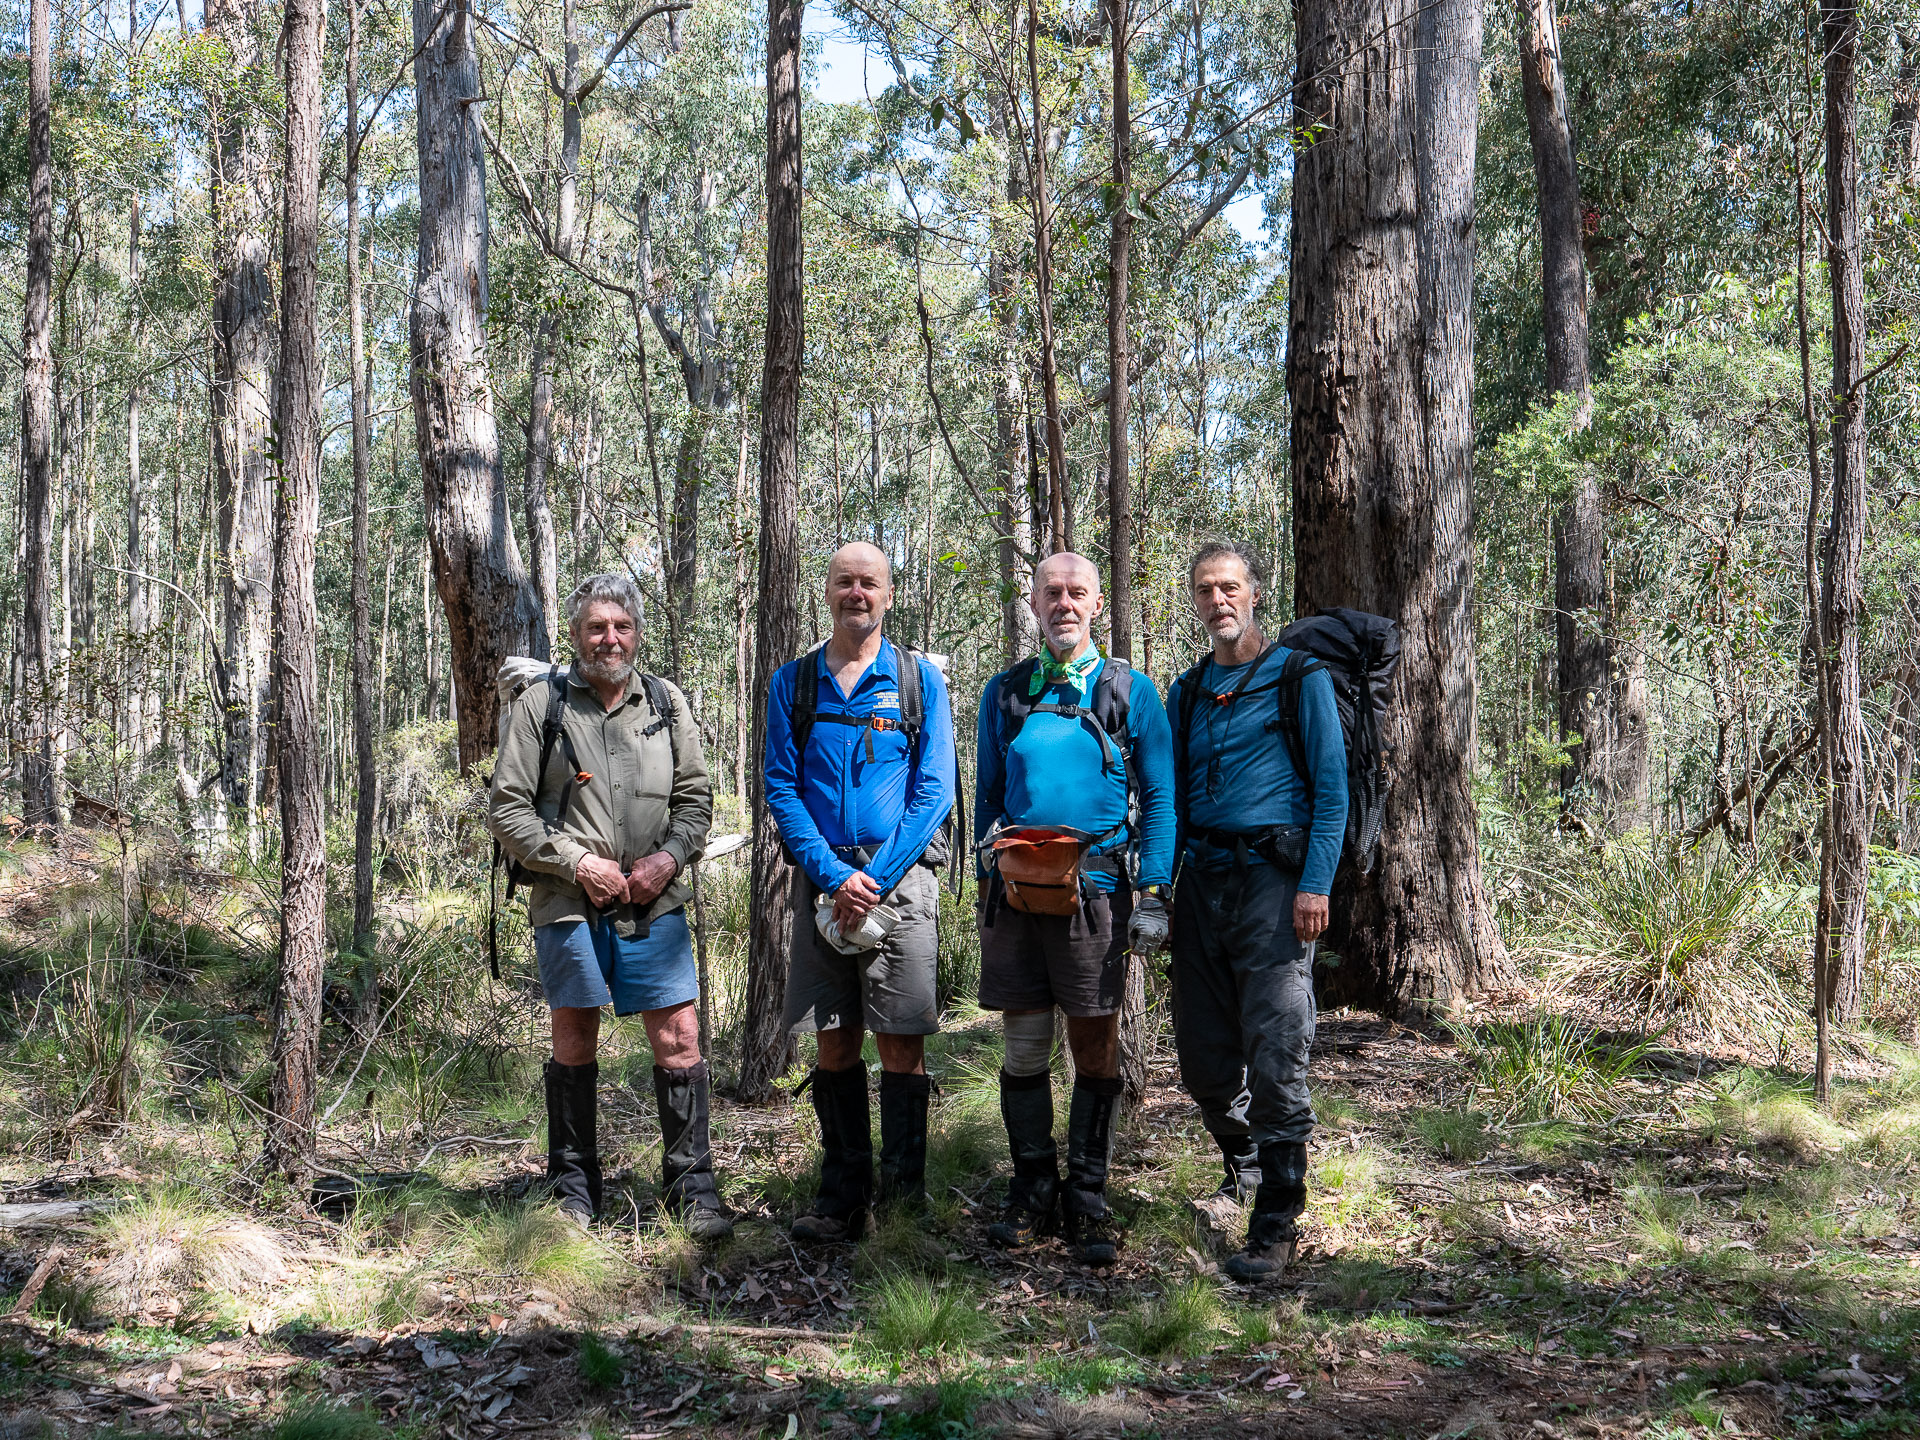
pixel 886 700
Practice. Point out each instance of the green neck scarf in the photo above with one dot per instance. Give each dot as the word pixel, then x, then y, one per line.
pixel 1063 672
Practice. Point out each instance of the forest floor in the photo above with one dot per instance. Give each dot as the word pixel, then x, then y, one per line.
pixel 1693 1250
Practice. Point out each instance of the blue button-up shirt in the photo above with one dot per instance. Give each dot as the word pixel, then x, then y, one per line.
pixel 841 799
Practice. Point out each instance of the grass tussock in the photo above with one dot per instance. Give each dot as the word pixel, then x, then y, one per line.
pixel 317 1419
pixel 911 1315
pixel 538 1244
pixel 1346 1186
pixel 1753 1108
pixel 1457 1135
pixel 1182 1322
pixel 1547 1066
pixel 167 1243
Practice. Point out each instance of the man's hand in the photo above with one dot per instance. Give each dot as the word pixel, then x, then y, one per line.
pixel 1147 927
pixel 602 880
pixel 651 876
pixel 855 897
pixel 1309 916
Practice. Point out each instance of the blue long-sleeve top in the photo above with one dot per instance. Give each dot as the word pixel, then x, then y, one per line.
pixel 1056 773
pixel 1241 779
pixel 840 799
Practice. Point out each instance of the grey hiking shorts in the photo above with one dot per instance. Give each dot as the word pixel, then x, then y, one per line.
pixel 889 989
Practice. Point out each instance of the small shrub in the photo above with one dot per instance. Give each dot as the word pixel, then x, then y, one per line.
pixel 601 1366
pixel 908 1315
pixel 1180 1323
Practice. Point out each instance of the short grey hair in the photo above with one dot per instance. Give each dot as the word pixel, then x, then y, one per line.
pixel 1240 550
pixel 608 589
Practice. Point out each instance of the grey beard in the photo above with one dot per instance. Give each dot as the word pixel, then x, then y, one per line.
pixel 606 672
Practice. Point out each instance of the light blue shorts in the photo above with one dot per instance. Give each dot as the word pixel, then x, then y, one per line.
pixel 585 964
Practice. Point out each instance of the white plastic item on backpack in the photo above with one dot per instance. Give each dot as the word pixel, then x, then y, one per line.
pixel 874 927
pixel 516 673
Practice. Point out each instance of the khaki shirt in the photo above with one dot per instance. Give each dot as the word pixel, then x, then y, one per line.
pixel 639 800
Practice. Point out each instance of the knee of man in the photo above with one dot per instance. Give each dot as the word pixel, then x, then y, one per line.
pixel 1029 1047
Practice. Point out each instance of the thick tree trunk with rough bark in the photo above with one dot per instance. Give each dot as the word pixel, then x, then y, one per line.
pixel 491 608
pixel 240 191
pixel 39 798
pixel 1842 599
pixel 366 776
pixel 1380 371
pixel 765 1046
pixel 297 715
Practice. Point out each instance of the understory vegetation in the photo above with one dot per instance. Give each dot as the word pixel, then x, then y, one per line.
pixel 1605 1200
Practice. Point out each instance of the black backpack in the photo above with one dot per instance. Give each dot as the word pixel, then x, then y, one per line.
pixel 1359 652
pixel 912 723
pixel 553 732
pixel 1107 715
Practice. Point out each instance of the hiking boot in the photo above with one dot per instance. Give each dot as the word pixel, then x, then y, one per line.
pixel 573 1152
pixel 1278 1204
pixel 1219 1216
pixel 903 1140
pixel 1085 1219
pixel 687 1187
pixel 1026 1105
pixel 839 1210
pixel 1271 1242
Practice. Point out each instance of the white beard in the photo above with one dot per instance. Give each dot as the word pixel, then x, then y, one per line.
pixel 605 672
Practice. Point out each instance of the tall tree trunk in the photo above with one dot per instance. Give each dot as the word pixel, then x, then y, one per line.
pixel 765 1047
pixel 1380 371
pixel 40 800
pixel 137 587
pixel 297 717
pixel 1058 521
pixel 366 777
pixel 1119 251
pixel 239 189
pixel 1842 597
pixel 1017 633
pixel 542 542
pixel 492 610
pixel 742 616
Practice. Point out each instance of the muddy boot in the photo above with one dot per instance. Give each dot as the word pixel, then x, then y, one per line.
pixel 573 1151
pixel 687 1188
pixel 1273 1231
pixel 1026 1104
pixel 1219 1215
pixel 1084 1217
pixel 839 1210
pixel 903 1140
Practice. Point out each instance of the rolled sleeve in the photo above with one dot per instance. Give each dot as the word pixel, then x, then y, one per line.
pixel 929 791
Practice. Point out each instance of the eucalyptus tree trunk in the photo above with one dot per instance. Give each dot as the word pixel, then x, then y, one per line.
pixel 1059 522
pixel 297 715
pixel 138 619
pixel 765 1046
pixel 1380 373
pixel 39 795
pixel 366 776
pixel 1119 251
pixel 1842 597
pixel 492 610
pixel 1018 637
pixel 239 190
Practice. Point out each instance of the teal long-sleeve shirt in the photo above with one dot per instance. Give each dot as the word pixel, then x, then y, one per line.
pixel 1056 774
pixel 1240 778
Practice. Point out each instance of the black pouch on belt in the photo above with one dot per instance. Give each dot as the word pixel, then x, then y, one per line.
pixel 1284 846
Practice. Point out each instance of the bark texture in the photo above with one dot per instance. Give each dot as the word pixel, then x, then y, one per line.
pixel 1842 600
pixel 300 725
pixel 366 778
pixel 1018 635
pixel 491 608
pixel 1119 251
pixel 242 403
pixel 39 799
pixel 1380 371
pixel 765 1045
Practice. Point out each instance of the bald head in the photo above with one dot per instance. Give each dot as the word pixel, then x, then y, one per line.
pixel 1065 598
pixel 859 592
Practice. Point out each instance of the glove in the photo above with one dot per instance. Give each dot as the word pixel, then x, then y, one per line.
pixel 1147 927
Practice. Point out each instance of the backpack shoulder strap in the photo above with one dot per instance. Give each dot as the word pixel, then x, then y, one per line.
pixel 806 705
pixel 1290 694
pixel 1014 702
pixel 661 699
pixel 553 727
pixel 912 689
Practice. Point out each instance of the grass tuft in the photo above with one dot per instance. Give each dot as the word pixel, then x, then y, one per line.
pixel 1457 1135
pixel 909 1315
pixel 601 1366
pixel 1548 1066
pixel 315 1419
pixel 535 1243
pixel 1177 1324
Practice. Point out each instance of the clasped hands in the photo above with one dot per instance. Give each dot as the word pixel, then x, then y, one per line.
pixel 855 897
pixel 607 885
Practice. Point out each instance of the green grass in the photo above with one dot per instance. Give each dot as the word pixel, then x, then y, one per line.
pixel 1179 1323
pixel 1457 1135
pixel 532 1242
pixel 910 1315
pixel 1548 1066
pixel 315 1419
pixel 1345 1187
pixel 600 1365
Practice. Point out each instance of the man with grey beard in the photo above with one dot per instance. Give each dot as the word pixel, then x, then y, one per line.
pixel 603 815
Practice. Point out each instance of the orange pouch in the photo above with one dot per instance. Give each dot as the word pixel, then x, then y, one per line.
pixel 1040 870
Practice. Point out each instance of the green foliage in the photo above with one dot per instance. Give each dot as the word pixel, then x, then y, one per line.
pixel 911 1315
pixel 318 1419
pixel 601 1366
pixel 1548 1066
pixel 1181 1322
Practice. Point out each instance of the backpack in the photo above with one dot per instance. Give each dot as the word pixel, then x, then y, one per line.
pixel 1359 652
pixel 805 714
pixel 517 673
pixel 1107 714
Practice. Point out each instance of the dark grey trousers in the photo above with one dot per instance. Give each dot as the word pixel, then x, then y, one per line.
pixel 1243 1010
